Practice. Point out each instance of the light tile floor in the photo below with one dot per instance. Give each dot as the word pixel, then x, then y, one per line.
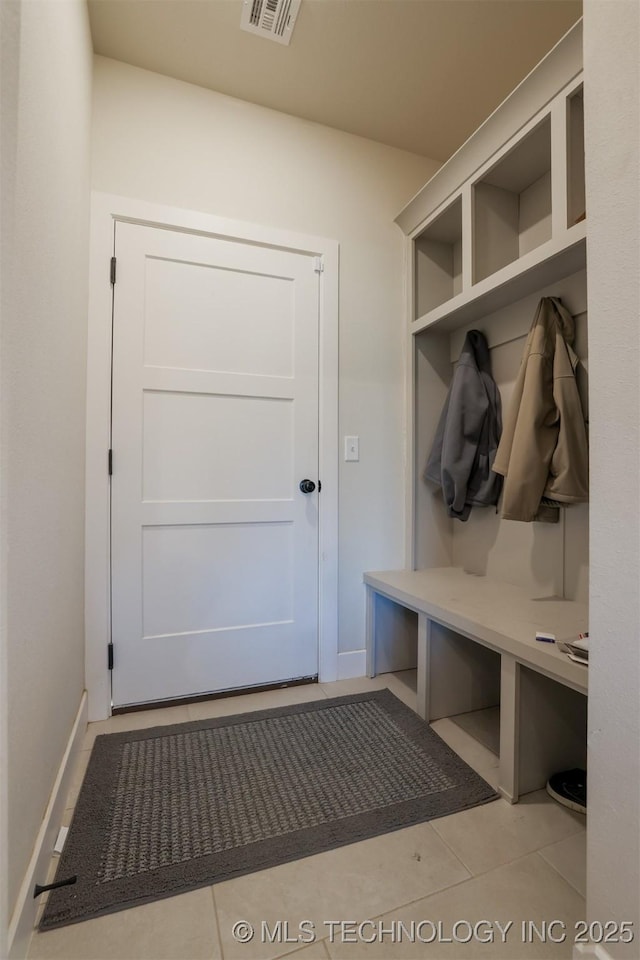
pixel 483 875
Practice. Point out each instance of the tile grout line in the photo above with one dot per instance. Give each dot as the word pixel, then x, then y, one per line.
pixel 300 949
pixel 553 867
pixel 450 848
pixel 460 883
pixel 434 893
pixel 217 920
pixel 505 863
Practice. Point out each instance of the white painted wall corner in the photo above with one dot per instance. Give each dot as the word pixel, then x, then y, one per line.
pixel 26 908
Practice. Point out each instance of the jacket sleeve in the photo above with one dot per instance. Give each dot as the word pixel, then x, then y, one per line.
pixel 433 469
pixel 534 436
pixel 468 407
pixel 568 480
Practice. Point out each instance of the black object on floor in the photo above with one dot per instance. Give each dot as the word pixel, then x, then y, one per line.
pixel 169 809
pixel 570 789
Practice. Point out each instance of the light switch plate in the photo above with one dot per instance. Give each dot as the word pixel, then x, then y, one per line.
pixel 352 448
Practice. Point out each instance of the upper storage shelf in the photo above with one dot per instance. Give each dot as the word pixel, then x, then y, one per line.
pixel 512 204
pixel 438 260
pixel 505 215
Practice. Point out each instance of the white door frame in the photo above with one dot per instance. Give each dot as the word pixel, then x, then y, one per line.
pixel 106 210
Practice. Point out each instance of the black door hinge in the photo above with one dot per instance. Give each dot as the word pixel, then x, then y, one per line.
pixel 110 462
pixel 113 270
pixel 319 486
pixel 110 656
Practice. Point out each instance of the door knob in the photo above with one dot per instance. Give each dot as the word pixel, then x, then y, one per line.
pixel 307 486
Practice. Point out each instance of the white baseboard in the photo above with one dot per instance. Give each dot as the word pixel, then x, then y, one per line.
pixel 352 664
pixel 26 908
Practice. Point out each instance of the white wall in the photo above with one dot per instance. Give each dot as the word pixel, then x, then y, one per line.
pixel 612 109
pixel 46 102
pixel 161 140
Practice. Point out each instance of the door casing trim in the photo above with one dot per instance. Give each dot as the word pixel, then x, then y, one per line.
pixel 106 210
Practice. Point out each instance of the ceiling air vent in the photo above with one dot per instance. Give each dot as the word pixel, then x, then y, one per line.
pixel 271 19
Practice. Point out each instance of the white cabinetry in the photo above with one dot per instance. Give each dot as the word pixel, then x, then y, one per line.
pixel 501 224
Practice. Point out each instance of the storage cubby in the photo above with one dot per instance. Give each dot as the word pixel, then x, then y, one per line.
pixel 576 202
pixel 468 677
pixel 512 204
pixel 438 260
pixel 397 630
pixel 552 729
pixel 483 726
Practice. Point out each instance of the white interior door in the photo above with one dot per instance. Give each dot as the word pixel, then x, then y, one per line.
pixel 215 423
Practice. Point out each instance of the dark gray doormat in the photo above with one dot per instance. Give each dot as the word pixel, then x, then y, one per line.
pixel 168 809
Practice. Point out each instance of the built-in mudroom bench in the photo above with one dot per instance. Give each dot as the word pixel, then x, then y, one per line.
pixel 501 225
pixel 476 648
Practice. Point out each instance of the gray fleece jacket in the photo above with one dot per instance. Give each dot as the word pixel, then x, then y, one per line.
pixel 468 434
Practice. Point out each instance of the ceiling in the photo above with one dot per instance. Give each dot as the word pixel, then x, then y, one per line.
pixel 420 75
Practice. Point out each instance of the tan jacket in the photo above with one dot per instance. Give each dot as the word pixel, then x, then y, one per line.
pixel 543 449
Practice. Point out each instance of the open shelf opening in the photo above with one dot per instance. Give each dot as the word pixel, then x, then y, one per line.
pixel 465 681
pixel 483 726
pixel 438 260
pixel 512 204
pixel 576 200
pixel 397 629
pixel 552 729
